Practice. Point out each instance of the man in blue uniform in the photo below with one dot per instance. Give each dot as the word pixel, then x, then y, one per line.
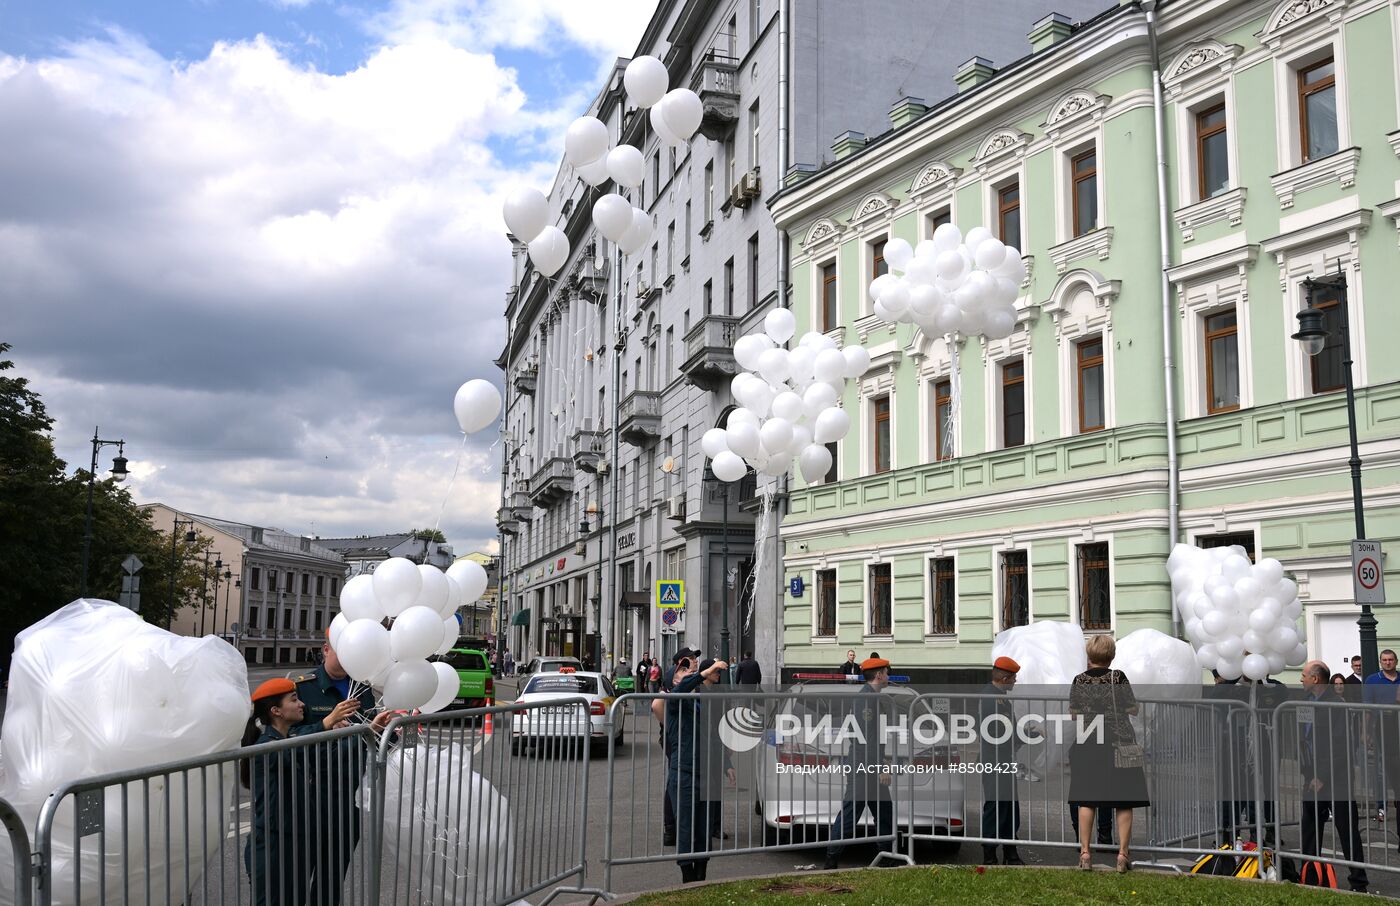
pixel 867 785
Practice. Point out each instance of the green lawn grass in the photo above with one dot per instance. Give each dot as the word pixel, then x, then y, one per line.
pixel 966 886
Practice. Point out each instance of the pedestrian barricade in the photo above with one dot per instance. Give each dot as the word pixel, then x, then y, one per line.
pixel 16 884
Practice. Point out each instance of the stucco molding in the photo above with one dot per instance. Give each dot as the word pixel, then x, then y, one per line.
pixel 1075 108
pixel 1340 168
pixel 935 176
pixel 1000 147
pixel 1293 17
pixel 1097 243
pixel 874 208
pixel 1060 305
pixel 1225 206
pixel 1199 61
pixel 824 232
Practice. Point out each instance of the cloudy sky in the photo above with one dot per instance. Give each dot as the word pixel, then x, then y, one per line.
pixel 260 240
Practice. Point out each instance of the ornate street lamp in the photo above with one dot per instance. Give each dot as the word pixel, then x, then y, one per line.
pixel 119 473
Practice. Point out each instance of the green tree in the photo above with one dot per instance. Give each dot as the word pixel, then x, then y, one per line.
pixel 430 534
pixel 42 511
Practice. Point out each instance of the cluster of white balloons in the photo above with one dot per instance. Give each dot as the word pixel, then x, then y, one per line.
pixel 422 602
pixel 1242 618
pixel 476 405
pixel 951 283
pixel 789 403
pixel 675 115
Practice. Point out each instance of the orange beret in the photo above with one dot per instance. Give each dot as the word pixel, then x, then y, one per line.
pixel 1007 664
pixel 873 663
pixel 274 687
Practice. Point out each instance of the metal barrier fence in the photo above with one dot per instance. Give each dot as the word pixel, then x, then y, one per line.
pixel 16 882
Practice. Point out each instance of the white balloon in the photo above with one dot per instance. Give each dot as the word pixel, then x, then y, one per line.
pixel 776 435
pixel 742 416
pixel 728 466
pixel 526 213
pixel 585 141
pixel 816 398
pixel 743 440
pixel 448 685
pixel 595 173
pixel 857 361
pixel 947 237
pixel 612 215
pixel 450 630
pixel 924 300
pixel 1012 267
pixel 364 649
pixel 625 166
pixel 1207 656
pixel 682 111
pixel 832 424
pixel 1268 571
pixel 998 324
pixel 780 325
pixel 801 440
pixel 1254 642
pixel 661 128
pixel 989 254
pixel 1277 662
pixel 471 576
pixel 646 81
pixel 800 361
pixel 975 237
pixel 748 348
pixel 337 627
pixel 1215 624
pixel 1262 621
pixel 396 585
pixel 788 406
pixel 1230 668
pixel 1283 639
pixel 714 442
pixel 637 236
pixel 759 397
pixel 416 634
pixel 1234 568
pixel 830 365
pixel 773 365
pixel 814 462
pixel 898 254
pixel 454 597
pixel 950 265
pixel 549 250
pixel 434 591
pixel 895 298
pixel 1231 649
pixel 1256 666
pixel 410 685
pixel 1298 656
pixel 1286 590
pixel 777 466
pixel 357 600
pixel 880 284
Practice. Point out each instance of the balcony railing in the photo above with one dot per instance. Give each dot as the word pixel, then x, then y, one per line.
pixel 716 81
pixel 588 449
pixel 525 380
pixel 554 481
pixel 640 418
pixel 709 349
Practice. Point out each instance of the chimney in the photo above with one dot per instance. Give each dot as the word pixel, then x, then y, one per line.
pixel 906 110
pixel 973 73
pixel 1050 31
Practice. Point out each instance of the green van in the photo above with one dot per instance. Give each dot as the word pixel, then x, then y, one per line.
pixel 478 688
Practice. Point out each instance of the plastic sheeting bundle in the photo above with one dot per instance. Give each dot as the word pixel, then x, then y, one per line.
pixel 94 689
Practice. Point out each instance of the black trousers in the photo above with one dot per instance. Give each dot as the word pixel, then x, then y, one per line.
pixel 852 809
pixel 1001 818
pixel 1342 813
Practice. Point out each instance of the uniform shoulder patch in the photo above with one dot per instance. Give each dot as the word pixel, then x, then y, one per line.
pixel 304 678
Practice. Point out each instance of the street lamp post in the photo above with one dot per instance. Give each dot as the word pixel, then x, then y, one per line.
pixel 228 574
pixel 204 588
pixel 119 473
pixel 214 598
pixel 189 539
pixel 1313 333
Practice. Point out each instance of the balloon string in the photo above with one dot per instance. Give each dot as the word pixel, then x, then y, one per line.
pixel 455 469
pixel 760 537
pixel 954 397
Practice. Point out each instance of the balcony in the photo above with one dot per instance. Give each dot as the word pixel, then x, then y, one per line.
pixel 716 81
pixel 506 522
pixel 640 418
pixel 588 448
pixel 553 482
pixel 525 380
pixel 709 350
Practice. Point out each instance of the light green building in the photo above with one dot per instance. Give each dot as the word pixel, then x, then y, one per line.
pixel 1052 492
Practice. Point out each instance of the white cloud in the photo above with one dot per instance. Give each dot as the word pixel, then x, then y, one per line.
pixel 268 279
pixel 610 28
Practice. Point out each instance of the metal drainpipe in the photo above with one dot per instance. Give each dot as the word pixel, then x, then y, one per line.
pixel 1168 316
pixel 502 599
pixel 784 161
pixel 609 604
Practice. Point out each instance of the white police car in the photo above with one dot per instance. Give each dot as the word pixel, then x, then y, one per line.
pixel 552 719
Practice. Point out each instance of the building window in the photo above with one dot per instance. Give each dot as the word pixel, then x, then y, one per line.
pixel 655 264
pixel 878 267
pixel 656 175
pixel 255 579
pixel 320 585
pixel 335 587
pixel 1317 109
pixel 252 618
pixel 671 248
pixel 826 603
pixel 272 580
pixel 755 20
pixel 829 321
pixel 729 287
pixel 753 272
pixel 319 618
pixel 880 600
pixel 287 583
pixel 834 450
pixel 687 231
pixel 1013 403
pixel 670 350
pixel 1228 539
pixel 1084 179
pixel 1095 600
pixel 1212 153
pixel 306 583
pixel 287 618
pixel 1015 590
pixel 1222 362
pixel 943 596
pixel 943 420
pixel 1009 214
pixel 731 162
pixel 880 431
pixel 301 621
pixel 709 193
pixel 753 136
pixel 708 297
pixel 1089 367
pixel 1328 370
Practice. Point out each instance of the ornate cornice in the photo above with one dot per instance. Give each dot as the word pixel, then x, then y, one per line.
pixel 934 176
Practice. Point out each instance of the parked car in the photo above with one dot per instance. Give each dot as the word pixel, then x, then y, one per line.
pixel 797 791
pixel 564 722
pixel 550 665
pixel 477 687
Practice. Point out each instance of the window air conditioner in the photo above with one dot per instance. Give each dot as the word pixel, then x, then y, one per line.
pixel 675 507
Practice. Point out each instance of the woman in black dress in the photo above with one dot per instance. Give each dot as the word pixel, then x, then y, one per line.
pixel 1107 771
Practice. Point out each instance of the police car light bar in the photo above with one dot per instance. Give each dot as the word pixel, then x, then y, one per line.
pixel 842 677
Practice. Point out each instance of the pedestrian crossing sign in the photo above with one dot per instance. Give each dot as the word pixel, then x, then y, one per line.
pixel 670 594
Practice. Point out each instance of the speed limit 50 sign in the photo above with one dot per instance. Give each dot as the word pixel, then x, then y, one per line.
pixel 1367 574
